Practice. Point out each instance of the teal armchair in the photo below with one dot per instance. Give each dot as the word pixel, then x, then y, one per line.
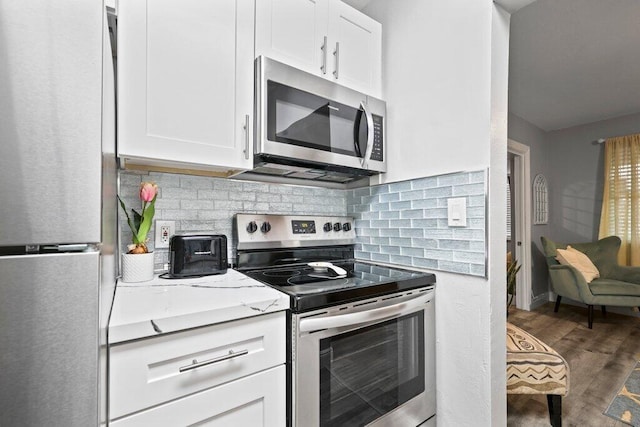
pixel 617 286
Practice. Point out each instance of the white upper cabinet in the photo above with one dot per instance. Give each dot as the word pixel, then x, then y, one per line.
pixel 292 31
pixel 355 47
pixel 327 38
pixel 185 85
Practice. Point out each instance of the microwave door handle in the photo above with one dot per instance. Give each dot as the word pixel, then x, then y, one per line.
pixel 369 149
pixel 367 316
pixel 356 132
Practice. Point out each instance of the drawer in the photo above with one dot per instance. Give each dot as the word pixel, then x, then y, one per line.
pixel 258 400
pixel 152 371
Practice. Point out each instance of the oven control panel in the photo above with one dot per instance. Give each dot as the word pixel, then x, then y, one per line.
pixel 303 226
pixel 255 231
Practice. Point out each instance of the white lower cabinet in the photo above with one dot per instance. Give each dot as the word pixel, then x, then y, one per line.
pixel 256 400
pixel 221 375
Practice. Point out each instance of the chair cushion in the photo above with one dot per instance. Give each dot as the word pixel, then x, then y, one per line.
pixel 614 287
pixel 579 261
pixel 533 367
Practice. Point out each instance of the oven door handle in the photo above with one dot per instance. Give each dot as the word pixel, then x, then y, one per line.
pixel 367 316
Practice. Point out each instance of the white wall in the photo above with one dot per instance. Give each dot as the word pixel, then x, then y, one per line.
pixel 541 153
pixel 497 212
pixel 445 113
pixel 436 83
pixel 577 176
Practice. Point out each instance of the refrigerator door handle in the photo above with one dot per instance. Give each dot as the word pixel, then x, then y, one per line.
pixel 81 247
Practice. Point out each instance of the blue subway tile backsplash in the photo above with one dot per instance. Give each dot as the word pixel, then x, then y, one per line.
pixel 402 223
pixel 418 232
pixel 206 204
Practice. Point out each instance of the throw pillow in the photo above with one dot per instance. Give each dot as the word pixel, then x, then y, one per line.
pixel 579 261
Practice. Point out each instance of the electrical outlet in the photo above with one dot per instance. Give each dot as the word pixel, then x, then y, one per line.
pixel 164 231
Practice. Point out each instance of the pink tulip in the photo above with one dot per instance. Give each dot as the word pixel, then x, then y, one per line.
pixel 148 191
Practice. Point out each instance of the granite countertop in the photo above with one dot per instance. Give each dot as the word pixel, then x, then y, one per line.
pixel 159 306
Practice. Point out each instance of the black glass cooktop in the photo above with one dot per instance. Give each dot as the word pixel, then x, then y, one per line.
pixel 312 288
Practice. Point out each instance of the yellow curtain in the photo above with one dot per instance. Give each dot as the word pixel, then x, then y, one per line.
pixel 621 197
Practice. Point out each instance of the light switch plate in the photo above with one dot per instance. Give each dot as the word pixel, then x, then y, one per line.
pixel 457 212
pixel 164 231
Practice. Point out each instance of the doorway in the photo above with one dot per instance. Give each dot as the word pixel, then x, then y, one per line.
pixel 520 179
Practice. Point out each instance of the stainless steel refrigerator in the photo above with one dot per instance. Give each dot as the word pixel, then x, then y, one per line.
pixel 57 211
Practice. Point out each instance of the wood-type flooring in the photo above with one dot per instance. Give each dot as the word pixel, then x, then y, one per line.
pixel 600 359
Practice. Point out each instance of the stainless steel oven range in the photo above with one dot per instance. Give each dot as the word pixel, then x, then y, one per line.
pixel 361 347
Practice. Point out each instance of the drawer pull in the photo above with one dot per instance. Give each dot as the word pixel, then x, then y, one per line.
pixel 196 364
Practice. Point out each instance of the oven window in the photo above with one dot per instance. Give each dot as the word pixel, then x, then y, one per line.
pixel 368 372
pixel 301 118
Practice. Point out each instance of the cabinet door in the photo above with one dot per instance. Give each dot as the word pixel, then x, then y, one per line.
pixel 257 400
pixel 355 49
pixel 293 32
pixel 146 373
pixel 185 82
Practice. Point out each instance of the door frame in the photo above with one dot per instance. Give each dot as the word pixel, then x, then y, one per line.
pixel 522 227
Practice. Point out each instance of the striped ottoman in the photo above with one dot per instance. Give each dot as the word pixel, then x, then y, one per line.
pixel 535 368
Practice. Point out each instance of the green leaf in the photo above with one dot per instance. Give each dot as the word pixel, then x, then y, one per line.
pixel 134 230
pixel 512 270
pixel 147 220
pixel 137 219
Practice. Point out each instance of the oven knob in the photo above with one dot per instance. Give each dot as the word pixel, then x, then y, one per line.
pixel 327 226
pixel 265 227
pixel 346 226
pixel 252 227
pixel 337 226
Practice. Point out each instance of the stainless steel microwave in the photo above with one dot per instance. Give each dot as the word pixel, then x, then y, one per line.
pixel 312 128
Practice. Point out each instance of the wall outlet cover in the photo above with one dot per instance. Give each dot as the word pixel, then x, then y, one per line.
pixel 164 231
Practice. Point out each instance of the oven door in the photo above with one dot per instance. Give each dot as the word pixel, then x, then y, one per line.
pixel 366 363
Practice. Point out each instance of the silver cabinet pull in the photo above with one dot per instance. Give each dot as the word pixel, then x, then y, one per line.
pixel 323 48
pixel 196 364
pixel 336 53
pixel 246 136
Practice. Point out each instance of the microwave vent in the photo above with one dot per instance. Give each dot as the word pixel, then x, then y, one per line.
pixel 280 169
pixel 337 177
pixel 270 171
pixel 310 174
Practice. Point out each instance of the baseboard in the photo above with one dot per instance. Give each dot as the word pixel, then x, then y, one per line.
pixel 539 300
pixel 627 311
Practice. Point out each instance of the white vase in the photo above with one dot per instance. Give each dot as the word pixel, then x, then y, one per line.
pixel 137 267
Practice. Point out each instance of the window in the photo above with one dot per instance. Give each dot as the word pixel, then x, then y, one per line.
pixel 621 196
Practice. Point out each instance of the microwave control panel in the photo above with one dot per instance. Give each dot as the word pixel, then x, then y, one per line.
pixel 376 152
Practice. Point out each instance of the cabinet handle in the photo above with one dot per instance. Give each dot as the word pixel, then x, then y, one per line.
pixel 196 364
pixel 246 136
pixel 323 48
pixel 336 53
